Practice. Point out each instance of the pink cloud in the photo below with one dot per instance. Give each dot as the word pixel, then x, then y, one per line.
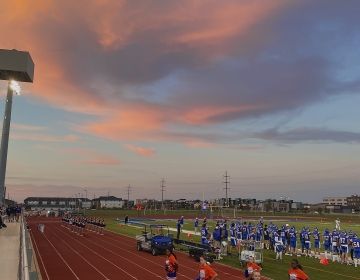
pixel 87 66
pixel 103 160
pixel 88 156
pixel 142 151
pixel 41 137
pixel 208 114
pixel 26 127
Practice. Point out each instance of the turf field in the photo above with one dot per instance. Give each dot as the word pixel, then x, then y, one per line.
pixel 272 269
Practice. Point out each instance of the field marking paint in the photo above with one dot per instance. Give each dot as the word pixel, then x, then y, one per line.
pixel 81 256
pixel 61 257
pixel 133 277
pixel 41 259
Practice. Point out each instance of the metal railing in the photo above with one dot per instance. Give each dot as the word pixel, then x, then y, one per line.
pixel 28 268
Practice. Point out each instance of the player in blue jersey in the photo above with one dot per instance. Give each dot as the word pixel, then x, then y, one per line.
pixel 344 247
pixel 283 236
pixel 279 245
pixel 266 237
pixel 244 232
pixel 292 234
pixel 182 223
pixel 335 245
pixel 217 238
pixel 327 242
pixel 196 225
pixel 204 235
pixel 356 246
pixel 316 236
pixel 307 242
pixel 302 240
pixel 259 232
pixel 232 237
pixel 351 237
pixel 238 234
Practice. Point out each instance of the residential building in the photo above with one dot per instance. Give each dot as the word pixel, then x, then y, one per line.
pixel 340 201
pixel 108 202
pixel 354 202
pixel 51 203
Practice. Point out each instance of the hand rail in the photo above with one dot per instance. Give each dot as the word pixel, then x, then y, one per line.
pixel 28 268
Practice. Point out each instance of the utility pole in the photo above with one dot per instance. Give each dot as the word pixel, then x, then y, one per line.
pixel 128 196
pixel 227 183
pixel 162 193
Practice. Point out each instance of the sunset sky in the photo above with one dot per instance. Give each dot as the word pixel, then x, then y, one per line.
pixel 130 92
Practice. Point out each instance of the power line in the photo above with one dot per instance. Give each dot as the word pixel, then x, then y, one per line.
pixel 162 187
pixel 227 184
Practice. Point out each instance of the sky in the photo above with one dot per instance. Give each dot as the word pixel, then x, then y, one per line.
pixel 130 92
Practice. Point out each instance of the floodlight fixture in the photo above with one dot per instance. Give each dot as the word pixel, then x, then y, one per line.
pixel 15 87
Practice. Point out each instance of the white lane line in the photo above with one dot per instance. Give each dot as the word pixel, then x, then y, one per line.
pixel 130 275
pixel 39 254
pixel 76 252
pixel 146 259
pixel 61 257
pixel 126 259
pixel 218 264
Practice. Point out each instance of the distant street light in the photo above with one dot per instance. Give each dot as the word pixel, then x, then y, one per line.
pixel 15 66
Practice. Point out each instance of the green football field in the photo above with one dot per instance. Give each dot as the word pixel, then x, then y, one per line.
pixel 271 268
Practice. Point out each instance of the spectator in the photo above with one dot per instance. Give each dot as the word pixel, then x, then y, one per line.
pixel 251 268
pixel 256 276
pixel 2 225
pixel 8 213
pixel 13 213
pixel 205 271
pixel 296 272
pixel 17 213
pixel 171 265
pixel 126 219
pixel 178 226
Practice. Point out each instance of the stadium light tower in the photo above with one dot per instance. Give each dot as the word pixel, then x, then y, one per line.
pixel 15 66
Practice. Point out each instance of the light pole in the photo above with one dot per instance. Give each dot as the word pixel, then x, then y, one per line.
pixel 14 66
pixel 86 196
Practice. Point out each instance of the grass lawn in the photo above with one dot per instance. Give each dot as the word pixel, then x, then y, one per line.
pixel 271 268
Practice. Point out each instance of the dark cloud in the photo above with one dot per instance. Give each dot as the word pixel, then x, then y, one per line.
pixel 227 61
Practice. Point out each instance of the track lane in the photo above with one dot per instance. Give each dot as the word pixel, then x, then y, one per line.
pixel 124 261
pixel 55 267
pixel 42 267
pixel 102 263
pixel 224 272
pixel 186 263
pixel 92 272
pixel 111 256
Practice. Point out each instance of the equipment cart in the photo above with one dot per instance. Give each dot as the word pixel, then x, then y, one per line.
pixel 250 248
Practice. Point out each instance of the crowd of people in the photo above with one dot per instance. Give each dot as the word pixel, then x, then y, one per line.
pixel 13 213
pixel 338 245
pixel 9 214
pixel 78 224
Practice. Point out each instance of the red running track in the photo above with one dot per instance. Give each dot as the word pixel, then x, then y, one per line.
pixel 62 254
